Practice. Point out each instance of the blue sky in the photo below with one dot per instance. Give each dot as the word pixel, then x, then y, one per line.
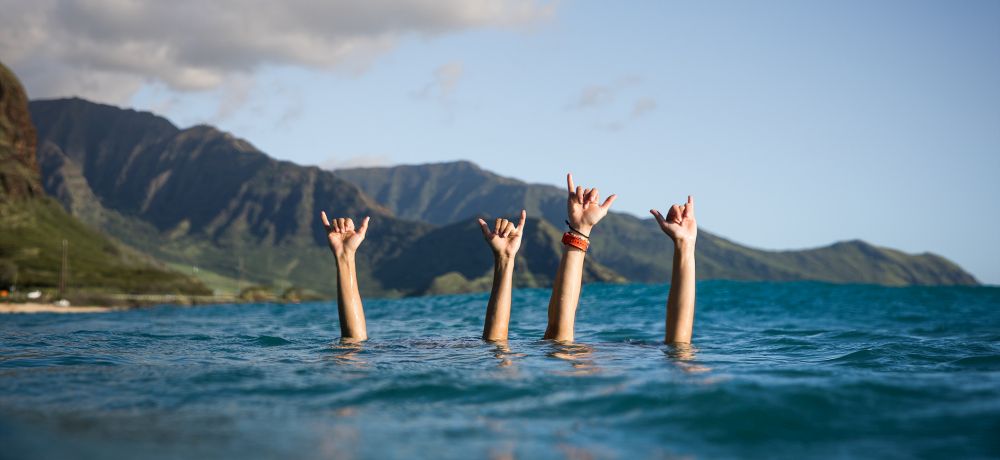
pixel 794 124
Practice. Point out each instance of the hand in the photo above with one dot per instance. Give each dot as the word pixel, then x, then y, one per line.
pixel 679 224
pixel 582 209
pixel 505 239
pixel 343 238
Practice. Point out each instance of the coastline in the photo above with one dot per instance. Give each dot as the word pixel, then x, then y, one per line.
pixel 53 308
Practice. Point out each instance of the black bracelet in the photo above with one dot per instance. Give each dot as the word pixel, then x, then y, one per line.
pixel 575 230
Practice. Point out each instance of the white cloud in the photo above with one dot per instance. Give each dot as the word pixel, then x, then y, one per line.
pixel 643 106
pixel 593 96
pixel 446 78
pixel 234 96
pixel 605 97
pixel 107 49
pixel 359 161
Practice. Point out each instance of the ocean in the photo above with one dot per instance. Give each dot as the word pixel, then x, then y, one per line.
pixel 776 370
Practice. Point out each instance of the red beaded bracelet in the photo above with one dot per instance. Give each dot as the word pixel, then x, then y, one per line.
pixel 571 239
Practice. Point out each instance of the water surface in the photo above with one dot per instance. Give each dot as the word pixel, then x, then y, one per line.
pixel 793 370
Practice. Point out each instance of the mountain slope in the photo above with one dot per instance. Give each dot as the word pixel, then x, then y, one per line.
pixel 18 170
pixel 634 247
pixel 33 227
pixel 201 197
pixel 425 267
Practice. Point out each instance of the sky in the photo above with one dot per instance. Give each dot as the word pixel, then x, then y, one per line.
pixel 794 124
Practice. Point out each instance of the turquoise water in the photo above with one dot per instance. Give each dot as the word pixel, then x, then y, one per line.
pixel 796 370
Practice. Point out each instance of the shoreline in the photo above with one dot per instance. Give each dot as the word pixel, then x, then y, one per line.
pixel 138 302
pixel 53 308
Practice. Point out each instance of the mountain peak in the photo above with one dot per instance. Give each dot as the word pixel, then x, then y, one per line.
pixel 203 191
pixel 451 166
pixel 35 230
pixel 74 103
pixel 19 176
pixel 449 192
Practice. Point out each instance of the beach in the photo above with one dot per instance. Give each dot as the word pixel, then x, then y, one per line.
pixel 52 308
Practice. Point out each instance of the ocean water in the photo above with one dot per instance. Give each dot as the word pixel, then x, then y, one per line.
pixel 793 370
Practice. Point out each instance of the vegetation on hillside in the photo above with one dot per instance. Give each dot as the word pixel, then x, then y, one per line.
pixel 202 198
pixel 41 246
pixel 633 247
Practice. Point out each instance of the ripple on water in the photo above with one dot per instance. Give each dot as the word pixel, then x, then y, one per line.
pixel 270 341
pixel 984 363
pixel 228 375
pixel 796 370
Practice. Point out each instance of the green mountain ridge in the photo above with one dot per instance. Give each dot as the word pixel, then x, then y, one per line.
pixel 203 198
pixel 446 192
pixel 423 269
pixel 33 226
pixel 200 197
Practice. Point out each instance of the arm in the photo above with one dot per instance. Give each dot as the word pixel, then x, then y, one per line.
pixel 504 240
pixel 565 295
pixel 680 225
pixel 344 242
pixel 583 212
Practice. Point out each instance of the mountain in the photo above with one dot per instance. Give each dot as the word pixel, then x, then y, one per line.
pixel 206 201
pixel 426 267
pixel 200 197
pixel 450 192
pixel 19 179
pixel 33 227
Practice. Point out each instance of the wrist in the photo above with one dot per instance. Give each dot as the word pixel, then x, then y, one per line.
pixel 344 255
pixel 573 240
pixel 575 228
pixel 684 245
pixel 503 259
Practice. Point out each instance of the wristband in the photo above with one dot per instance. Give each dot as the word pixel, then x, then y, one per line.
pixel 574 230
pixel 570 239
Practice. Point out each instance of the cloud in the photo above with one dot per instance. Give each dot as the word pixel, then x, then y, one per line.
pixel 603 95
pixel 107 49
pixel 593 96
pixel 444 82
pixel 359 161
pixel 613 126
pixel 643 106
pixel 234 96
pixel 606 96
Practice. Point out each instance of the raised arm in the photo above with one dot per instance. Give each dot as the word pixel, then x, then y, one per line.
pixel 681 227
pixel 583 213
pixel 344 242
pixel 504 240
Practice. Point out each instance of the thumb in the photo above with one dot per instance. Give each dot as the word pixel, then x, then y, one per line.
pixel 607 202
pixel 364 226
pixel 659 217
pixel 486 229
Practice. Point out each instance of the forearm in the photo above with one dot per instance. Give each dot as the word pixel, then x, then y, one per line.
pixel 565 295
pixel 498 309
pixel 352 315
pixel 680 301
